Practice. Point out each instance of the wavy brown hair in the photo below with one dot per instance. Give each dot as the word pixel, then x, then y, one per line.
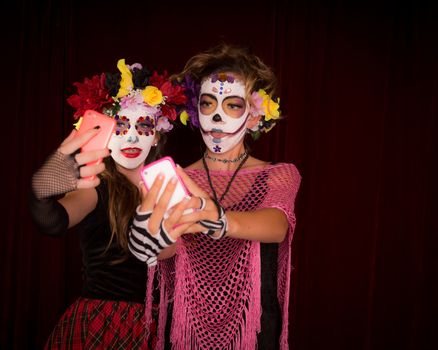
pixel 124 197
pixel 229 58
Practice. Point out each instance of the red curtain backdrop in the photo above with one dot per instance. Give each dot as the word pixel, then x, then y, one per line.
pixel 359 89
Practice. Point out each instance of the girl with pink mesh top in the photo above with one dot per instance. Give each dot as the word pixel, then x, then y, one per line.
pixel 227 284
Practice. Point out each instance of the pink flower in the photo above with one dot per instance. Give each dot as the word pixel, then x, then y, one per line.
pixel 163 125
pixel 256 106
pixel 131 100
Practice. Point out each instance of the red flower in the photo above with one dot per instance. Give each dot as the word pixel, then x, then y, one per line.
pixel 168 111
pixel 92 94
pixel 174 93
pixel 158 80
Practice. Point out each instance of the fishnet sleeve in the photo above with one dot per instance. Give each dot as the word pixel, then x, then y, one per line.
pixel 58 175
pixel 49 216
pixel 283 184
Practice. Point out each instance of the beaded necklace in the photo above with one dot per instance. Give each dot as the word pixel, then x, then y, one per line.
pixel 225 161
pixel 244 155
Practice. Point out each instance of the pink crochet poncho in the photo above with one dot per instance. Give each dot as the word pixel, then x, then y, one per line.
pixel 215 284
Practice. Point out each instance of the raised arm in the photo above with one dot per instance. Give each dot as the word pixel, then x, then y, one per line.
pixel 269 224
pixel 62 191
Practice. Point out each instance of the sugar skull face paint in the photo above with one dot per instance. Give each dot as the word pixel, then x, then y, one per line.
pixel 223 112
pixel 132 140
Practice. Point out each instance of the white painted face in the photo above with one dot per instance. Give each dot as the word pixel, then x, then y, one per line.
pixel 223 112
pixel 132 140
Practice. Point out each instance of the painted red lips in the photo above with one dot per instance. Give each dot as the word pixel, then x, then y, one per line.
pixel 131 152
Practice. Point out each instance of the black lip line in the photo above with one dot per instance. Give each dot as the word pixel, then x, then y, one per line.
pixel 243 124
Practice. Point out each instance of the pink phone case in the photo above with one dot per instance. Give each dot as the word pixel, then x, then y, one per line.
pixel 107 125
pixel 167 167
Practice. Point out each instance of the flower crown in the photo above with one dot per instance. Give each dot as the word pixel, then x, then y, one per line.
pixel 262 105
pixel 133 86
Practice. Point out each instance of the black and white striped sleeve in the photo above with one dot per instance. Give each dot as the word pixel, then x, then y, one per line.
pixel 220 225
pixel 144 245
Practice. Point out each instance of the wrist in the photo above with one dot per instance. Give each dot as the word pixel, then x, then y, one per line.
pixel 216 229
pixel 233 224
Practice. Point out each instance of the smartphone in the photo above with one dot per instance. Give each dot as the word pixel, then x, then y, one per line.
pixel 107 125
pixel 167 167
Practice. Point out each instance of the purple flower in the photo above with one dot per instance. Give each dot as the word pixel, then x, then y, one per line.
pixel 135 65
pixel 192 89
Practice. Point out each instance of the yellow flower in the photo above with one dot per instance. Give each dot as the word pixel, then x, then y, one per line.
pixel 269 106
pixel 126 84
pixel 77 125
pixel 152 95
pixel 184 117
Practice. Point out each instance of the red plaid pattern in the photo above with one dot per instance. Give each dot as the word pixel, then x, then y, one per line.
pixel 100 324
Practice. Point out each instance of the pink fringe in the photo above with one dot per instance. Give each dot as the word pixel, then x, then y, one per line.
pixel 253 326
pixel 149 291
pixel 164 302
pixel 284 279
pixel 183 336
pixel 183 333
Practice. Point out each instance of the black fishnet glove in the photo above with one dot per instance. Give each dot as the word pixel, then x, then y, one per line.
pixel 58 175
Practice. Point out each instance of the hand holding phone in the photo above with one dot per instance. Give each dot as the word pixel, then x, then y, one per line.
pixel 167 167
pixel 90 120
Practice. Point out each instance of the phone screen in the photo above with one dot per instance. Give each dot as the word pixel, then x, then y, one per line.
pixel 167 167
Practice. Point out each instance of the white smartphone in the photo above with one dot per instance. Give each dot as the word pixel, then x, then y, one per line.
pixel 167 167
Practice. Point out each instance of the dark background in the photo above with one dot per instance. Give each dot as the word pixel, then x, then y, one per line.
pixel 359 88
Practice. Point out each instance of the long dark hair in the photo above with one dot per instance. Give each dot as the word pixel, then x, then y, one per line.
pixel 124 197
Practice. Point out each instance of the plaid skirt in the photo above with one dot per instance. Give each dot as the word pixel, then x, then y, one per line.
pixel 101 324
